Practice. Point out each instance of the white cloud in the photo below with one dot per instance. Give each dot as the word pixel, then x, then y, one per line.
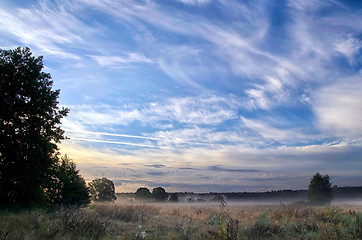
pixel 266 131
pixel 195 110
pixel 183 63
pixel 44 27
pixel 305 5
pixel 195 2
pixel 110 134
pixel 237 48
pixel 349 47
pixel 113 142
pixel 338 107
pixel 205 109
pixel 263 131
pixel 199 137
pixel 258 99
pixel 101 115
pixel 116 61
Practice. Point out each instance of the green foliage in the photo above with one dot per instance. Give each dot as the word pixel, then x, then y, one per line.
pixel 159 194
pixel 320 190
pixel 228 227
pixel 143 193
pixel 102 190
pixel 263 227
pixel 67 187
pixel 29 128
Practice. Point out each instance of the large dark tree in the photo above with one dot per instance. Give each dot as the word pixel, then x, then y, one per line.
pixel 29 128
pixel 67 187
pixel 320 189
pixel 102 190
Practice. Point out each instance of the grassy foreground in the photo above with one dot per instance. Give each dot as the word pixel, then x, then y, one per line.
pixel 156 221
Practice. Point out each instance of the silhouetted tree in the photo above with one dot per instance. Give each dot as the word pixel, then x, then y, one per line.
pixel 67 186
pixel 159 194
pixel 102 190
pixel 143 193
pixel 173 197
pixel 320 189
pixel 29 128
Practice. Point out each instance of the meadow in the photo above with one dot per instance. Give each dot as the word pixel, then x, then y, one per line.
pixel 185 221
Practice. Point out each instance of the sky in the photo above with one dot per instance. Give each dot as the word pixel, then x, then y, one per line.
pixel 202 95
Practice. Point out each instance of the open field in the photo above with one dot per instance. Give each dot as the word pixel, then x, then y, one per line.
pixel 186 221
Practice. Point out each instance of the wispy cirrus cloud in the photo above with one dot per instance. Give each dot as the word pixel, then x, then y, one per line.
pixel 110 134
pixel 113 142
pixel 195 2
pixel 86 121
pixel 208 109
pixel 115 61
pixel 45 27
pixel 349 47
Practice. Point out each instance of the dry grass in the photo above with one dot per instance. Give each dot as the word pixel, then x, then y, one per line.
pixel 179 221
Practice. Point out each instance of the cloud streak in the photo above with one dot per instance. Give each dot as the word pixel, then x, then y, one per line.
pixel 111 134
pixel 115 61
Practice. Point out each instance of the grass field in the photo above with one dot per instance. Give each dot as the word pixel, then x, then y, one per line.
pixel 185 221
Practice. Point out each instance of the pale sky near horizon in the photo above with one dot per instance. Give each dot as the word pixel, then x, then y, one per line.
pixel 202 95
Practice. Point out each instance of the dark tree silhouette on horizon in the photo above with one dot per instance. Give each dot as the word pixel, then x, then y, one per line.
pixel 143 193
pixel 320 189
pixel 29 129
pixel 159 194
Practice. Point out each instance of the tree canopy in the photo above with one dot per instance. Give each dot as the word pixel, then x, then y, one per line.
pixel 29 128
pixel 68 187
pixel 159 194
pixel 102 190
pixel 320 189
pixel 143 193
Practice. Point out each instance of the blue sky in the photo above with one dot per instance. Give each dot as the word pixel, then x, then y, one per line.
pixel 202 95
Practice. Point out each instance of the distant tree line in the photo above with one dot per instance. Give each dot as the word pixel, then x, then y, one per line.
pixel 158 194
pixel 319 192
